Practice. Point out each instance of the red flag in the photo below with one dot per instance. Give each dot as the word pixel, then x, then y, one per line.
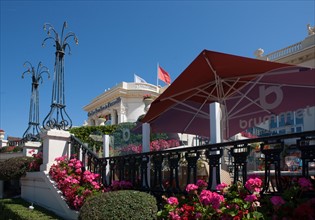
pixel 164 76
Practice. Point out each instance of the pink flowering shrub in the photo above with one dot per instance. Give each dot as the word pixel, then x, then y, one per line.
pixel 156 145
pixel 229 202
pixel 75 184
pixel 296 202
pixel 119 185
pixel 36 162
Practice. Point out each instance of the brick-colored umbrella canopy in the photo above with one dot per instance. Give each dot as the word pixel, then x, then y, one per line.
pixel 250 91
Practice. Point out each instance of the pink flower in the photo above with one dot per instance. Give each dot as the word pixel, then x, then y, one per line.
pixel 172 201
pixel 207 197
pixel 201 183
pixel 253 184
pixel 61 159
pixel 305 184
pixel 277 200
pixel 251 198
pixel 191 187
pixel 198 215
pixel 78 171
pixel 220 187
pixel 174 216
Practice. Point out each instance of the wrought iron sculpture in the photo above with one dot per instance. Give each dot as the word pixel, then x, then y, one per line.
pixel 58 118
pixel 32 132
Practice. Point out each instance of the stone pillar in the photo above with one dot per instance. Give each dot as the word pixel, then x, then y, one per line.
pixel 146 148
pixel 29 146
pixel 3 143
pixel 55 144
pixel 145 137
pixel 106 139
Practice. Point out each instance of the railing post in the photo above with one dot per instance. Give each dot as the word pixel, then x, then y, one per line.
pixel 106 154
pixel 146 148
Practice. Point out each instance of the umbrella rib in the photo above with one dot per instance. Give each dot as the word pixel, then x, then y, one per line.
pixel 244 95
pixel 200 88
pixel 283 85
pixel 192 112
pixel 251 102
pixel 192 108
pixel 242 115
pixel 277 71
pixel 194 116
pixel 177 102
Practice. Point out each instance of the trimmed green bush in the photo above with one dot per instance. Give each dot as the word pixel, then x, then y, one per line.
pixel 122 204
pixel 10 149
pixel 17 209
pixel 14 167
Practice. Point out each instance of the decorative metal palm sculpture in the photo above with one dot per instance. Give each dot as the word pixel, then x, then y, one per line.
pixel 58 118
pixel 32 132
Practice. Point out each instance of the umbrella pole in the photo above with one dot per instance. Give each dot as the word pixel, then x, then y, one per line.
pixel 215 122
pixel 215 137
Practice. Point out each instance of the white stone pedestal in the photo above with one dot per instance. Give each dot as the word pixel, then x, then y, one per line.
pixel 55 144
pixel 28 148
pixel 3 143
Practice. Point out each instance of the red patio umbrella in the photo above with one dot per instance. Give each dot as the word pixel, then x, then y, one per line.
pixel 249 90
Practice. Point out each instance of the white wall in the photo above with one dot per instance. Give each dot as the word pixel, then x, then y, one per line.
pixel 135 109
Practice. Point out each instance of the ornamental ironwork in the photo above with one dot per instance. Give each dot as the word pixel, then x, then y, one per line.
pixel 58 118
pixel 32 132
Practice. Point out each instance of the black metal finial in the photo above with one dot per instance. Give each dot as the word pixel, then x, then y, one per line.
pixel 32 132
pixel 58 118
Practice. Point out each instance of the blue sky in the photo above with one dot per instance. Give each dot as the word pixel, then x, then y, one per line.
pixel 120 38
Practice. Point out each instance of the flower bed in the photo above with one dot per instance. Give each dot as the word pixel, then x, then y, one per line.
pixel 77 185
pixel 240 202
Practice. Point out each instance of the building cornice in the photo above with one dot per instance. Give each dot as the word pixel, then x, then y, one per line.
pixel 123 90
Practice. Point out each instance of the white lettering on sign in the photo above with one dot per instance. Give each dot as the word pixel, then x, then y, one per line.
pixel 264 92
pixel 258 120
pixel 107 105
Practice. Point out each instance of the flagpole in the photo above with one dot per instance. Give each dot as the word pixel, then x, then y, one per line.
pixel 157 74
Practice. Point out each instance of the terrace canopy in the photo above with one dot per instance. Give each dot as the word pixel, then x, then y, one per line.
pixel 249 92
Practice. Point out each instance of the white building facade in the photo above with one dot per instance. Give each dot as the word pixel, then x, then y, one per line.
pixel 125 102
pixel 301 54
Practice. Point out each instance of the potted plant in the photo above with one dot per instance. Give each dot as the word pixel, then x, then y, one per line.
pixel 147 99
pixel 101 119
pixel 147 96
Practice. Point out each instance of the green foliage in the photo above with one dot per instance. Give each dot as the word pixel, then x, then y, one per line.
pixel 17 209
pixel 118 135
pixel 84 132
pixel 10 149
pixel 117 131
pixel 14 167
pixel 122 204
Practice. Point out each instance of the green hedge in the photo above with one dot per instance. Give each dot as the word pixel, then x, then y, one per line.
pixel 17 209
pixel 121 204
pixel 14 167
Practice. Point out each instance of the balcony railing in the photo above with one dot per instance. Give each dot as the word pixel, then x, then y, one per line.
pixel 284 52
pixel 169 171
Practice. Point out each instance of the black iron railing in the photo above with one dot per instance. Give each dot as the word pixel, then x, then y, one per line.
pixel 169 171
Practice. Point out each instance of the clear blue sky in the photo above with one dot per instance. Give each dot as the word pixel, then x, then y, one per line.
pixel 120 38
